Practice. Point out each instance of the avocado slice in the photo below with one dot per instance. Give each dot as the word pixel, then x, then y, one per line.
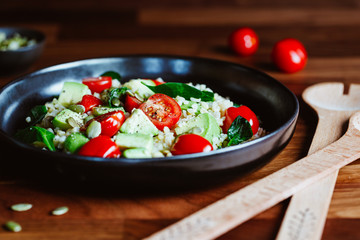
pixel 138 122
pixel 72 93
pixel 137 153
pixel 61 120
pixel 204 125
pixel 97 111
pixel 135 140
pixel 74 142
pixel 141 91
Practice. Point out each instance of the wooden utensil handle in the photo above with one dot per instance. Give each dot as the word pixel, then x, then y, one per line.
pixel 307 211
pixel 227 213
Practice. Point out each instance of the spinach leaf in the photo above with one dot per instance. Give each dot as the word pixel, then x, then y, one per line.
pixel 239 131
pixel 112 74
pixel 173 89
pixel 36 134
pixel 37 113
pixel 115 95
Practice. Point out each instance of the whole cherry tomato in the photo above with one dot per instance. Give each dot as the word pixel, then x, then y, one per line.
pixel 101 146
pixel 191 143
pixel 289 55
pixel 110 122
pixel 89 102
pixel 98 84
pixel 244 41
pixel 162 110
pixel 243 111
pixel 131 102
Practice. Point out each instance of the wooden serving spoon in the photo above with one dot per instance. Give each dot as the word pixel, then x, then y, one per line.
pixel 225 214
pixel 306 215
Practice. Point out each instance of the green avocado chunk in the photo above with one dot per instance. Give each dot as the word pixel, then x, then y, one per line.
pixel 74 142
pixel 97 111
pixel 204 125
pixel 72 93
pixel 135 140
pixel 141 91
pixel 137 153
pixel 61 120
pixel 138 122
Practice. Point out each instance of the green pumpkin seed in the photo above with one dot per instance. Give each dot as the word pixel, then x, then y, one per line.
pixel 77 108
pixel 116 102
pixel 13 226
pixel 20 207
pixel 60 211
pixel 94 129
pixel 72 122
pixel 88 118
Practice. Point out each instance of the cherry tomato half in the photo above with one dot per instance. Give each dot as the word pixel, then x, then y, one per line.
pixel 162 110
pixel 101 146
pixel 131 102
pixel 110 122
pixel 289 55
pixel 191 143
pixel 89 102
pixel 244 41
pixel 98 84
pixel 243 111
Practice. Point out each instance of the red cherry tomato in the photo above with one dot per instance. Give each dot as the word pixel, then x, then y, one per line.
pixel 110 122
pixel 157 82
pixel 243 111
pixel 89 102
pixel 162 110
pixel 101 146
pixel 191 143
pixel 289 55
pixel 131 103
pixel 244 41
pixel 98 84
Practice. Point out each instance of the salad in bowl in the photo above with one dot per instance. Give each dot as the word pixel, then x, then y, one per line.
pixel 103 116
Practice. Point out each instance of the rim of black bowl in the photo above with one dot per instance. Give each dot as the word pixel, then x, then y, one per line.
pixel 25 32
pixel 135 161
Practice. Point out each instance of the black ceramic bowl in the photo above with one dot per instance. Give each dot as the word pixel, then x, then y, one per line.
pixel 12 61
pixel 273 102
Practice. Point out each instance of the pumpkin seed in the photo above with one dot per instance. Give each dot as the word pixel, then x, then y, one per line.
pixel 116 102
pixel 60 211
pixel 72 122
pixel 77 108
pixel 13 226
pixel 94 129
pixel 20 207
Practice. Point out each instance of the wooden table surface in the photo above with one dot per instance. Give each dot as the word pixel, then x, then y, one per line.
pixel 330 31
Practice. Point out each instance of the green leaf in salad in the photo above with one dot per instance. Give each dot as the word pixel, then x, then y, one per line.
pixel 112 74
pixel 37 113
pixel 239 131
pixel 173 89
pixel 115 96
pixel 34 135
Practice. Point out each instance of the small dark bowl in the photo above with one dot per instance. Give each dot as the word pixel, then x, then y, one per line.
pixel 277 107
pixel 13 61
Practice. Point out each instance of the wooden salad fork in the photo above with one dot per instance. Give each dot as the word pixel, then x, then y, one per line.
pixel 306 215
pixel 225 214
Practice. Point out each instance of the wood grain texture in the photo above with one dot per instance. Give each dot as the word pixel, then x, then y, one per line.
pixel 83 29
pixel 306 215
